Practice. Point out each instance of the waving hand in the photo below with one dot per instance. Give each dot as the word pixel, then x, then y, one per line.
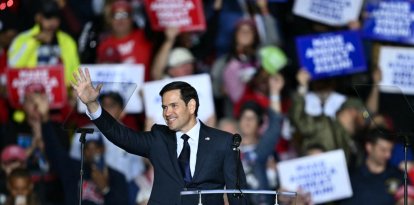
pixel 85 90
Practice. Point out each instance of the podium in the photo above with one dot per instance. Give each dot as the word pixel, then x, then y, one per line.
pixel 281 198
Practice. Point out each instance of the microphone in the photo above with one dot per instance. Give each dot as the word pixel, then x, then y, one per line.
pixel 236 141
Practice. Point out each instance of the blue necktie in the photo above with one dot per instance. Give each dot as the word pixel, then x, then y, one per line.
pixel 184 159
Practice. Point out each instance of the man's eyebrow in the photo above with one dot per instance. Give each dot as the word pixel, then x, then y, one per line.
pixel 173 103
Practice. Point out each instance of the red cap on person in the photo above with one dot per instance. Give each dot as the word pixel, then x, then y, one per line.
pixel 121 5
pixel 13 152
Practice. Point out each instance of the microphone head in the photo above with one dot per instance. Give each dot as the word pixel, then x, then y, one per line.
pixel 236 140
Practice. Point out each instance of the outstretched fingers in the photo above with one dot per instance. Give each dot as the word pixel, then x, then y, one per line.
pixel 74 85
pixel 76 76
pixel 88 75
pixel 99 87
pixel 81 75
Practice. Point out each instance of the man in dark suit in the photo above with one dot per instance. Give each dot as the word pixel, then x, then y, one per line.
pixel 186 154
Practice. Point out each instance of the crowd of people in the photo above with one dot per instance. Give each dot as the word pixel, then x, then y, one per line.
pixel 259 88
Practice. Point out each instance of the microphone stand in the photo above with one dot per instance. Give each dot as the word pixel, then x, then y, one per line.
pixel 82 140
pixel 238 187
pixel 236 143
pixel 406 144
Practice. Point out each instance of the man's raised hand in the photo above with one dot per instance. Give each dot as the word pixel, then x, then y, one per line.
pixel 85 90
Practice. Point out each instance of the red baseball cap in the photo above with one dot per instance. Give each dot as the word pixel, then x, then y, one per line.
pixel 13 152
pixel 121 5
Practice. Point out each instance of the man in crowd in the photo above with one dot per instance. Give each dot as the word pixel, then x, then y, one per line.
pixel 375 182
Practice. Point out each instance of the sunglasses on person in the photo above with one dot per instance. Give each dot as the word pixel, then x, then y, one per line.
pixel 121 15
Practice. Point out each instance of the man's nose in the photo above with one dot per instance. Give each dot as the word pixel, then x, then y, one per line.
pixel 167 111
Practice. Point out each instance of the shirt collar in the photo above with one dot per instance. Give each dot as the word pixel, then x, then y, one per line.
pixel 193 133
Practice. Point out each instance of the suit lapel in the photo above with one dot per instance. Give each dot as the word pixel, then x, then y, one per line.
pixel 202 152
pixel 172 152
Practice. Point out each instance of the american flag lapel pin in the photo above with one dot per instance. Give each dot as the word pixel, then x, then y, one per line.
pixel 207 138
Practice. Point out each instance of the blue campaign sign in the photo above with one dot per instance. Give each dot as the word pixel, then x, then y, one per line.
pixel 331 54
pixel 390 20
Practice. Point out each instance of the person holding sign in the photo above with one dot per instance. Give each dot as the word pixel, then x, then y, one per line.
pixel 330 133
pixel 186 154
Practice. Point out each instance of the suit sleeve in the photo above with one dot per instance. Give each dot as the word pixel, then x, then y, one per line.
pixel 131 141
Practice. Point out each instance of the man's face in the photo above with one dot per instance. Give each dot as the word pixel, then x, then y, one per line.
pixel 20 186
pixel 380 152
pixel 49 24
pixel 177 115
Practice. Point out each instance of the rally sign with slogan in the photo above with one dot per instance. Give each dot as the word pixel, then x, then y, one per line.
pixel 334 13
pixel 124 79
pixel 50 78
pixel 201 82
pixel 331 54
pixel 325 176
pixel 390 21
pixel 397 67
pixel 187 15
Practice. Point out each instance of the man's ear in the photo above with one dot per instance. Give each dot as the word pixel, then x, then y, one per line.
pixel 192 106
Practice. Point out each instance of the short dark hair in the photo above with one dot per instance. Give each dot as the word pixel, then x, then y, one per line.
pixel 20 173
pixel 253 106
pixel 187 92
pixel 379 133
pixel 115 96
pixel 49 9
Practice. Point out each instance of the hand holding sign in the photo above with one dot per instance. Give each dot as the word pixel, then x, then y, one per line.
pixel 303 77
pixel 187 15
pixel 85 90
pixel 171 33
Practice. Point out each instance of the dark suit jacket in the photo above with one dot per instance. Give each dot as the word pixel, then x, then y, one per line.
pixel 215 165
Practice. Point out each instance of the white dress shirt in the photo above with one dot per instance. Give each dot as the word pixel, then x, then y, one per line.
pixel 194 134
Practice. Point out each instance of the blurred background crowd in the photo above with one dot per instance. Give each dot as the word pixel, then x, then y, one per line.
pixel 260 91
